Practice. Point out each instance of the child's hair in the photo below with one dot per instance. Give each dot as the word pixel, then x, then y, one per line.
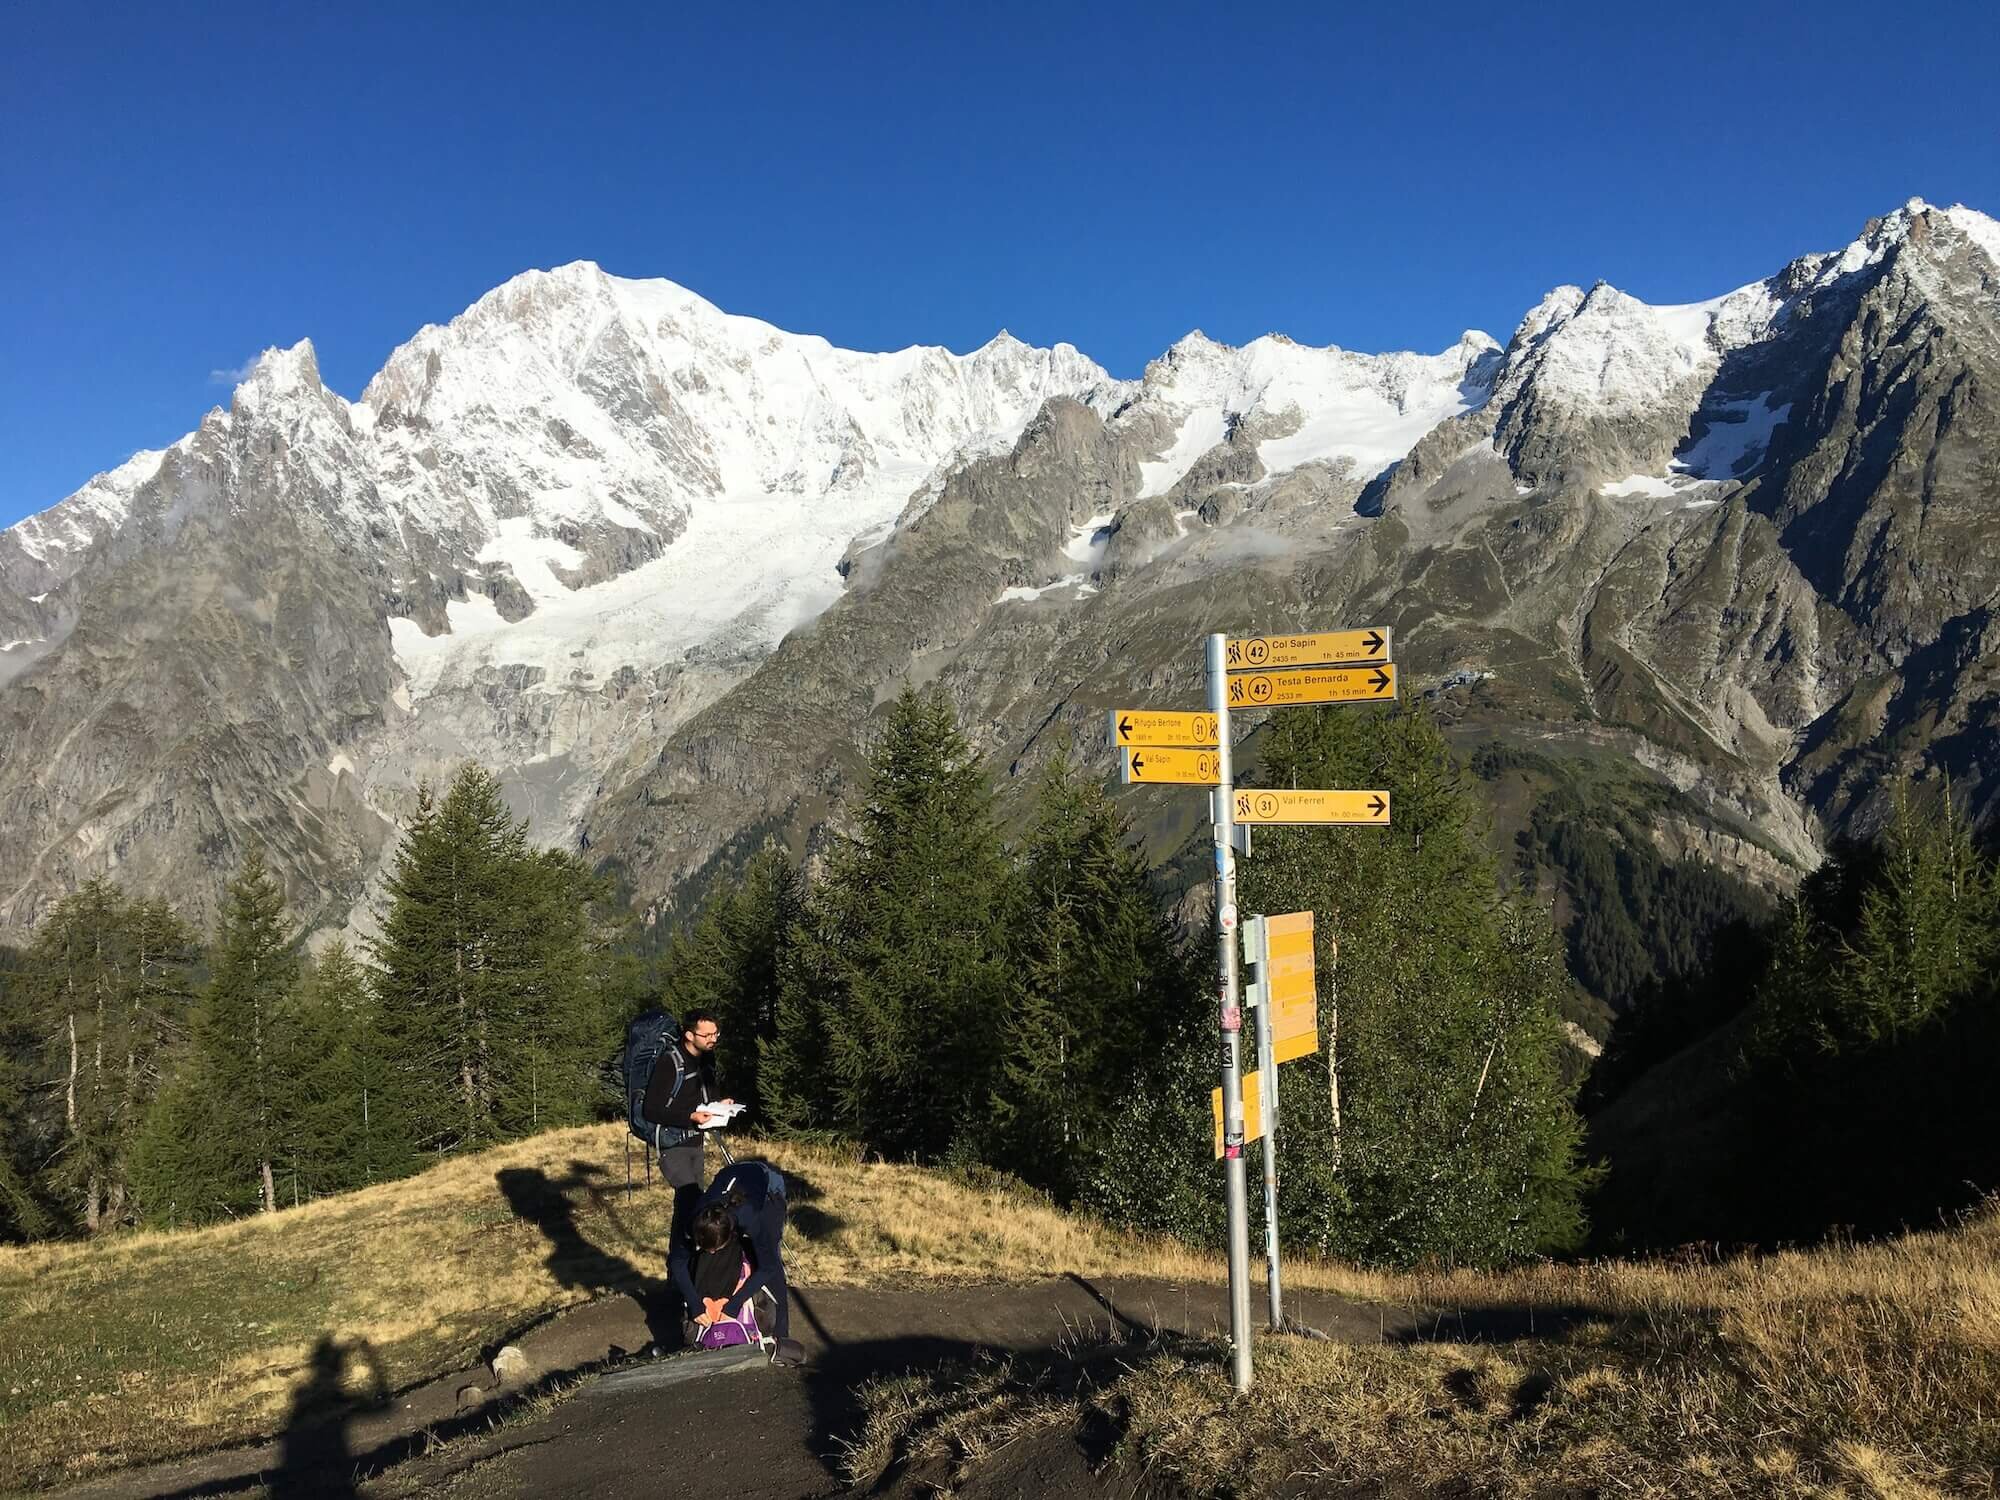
pixel 713 1227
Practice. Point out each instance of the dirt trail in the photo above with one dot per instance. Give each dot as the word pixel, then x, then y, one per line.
pixel 698 1425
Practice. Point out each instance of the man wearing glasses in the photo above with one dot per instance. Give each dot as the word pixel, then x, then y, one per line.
pixel 678 1097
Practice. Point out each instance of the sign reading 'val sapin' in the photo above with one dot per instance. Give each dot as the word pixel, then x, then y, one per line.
pixel 1346 647
pixel 1151 726
pixel 1313 685
pixel 1261 805
pixel 1183 767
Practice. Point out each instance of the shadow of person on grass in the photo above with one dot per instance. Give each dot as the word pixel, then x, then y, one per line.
pixel 803 1214
pixel 578 1264
pixel 315 1458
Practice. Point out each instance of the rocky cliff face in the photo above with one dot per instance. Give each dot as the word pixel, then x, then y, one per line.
pixel 660 566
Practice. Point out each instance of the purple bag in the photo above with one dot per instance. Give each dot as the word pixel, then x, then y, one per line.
pixel 729 1333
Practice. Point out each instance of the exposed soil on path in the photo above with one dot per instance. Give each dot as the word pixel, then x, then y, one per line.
pixel 705 1425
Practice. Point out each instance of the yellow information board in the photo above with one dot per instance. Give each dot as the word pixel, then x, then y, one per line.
pixel 1290 985
pixel 1276 805
pixel 1253 1110
pixel 1154 726
pixel 1327 647
pixel 1313 685
pixel 1182 767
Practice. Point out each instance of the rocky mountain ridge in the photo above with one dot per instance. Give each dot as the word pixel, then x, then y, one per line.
pixel 658 565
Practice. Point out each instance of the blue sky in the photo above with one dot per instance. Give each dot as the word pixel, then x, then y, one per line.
pixel 182 185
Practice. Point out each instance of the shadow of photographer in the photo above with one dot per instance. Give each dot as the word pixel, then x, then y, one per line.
pixel 315 1456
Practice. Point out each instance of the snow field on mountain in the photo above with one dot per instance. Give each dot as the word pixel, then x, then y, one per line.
pixel 532 558
pixel 747 570
pixel 1086 547
pixel 1368 409
pixel 1729 449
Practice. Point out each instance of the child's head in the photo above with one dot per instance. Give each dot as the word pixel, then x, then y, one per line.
pixel 713 1227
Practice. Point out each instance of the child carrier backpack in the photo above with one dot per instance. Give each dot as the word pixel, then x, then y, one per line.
pixel 648 1039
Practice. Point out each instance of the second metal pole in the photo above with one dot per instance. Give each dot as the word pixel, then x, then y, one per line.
pixel 1267 1098
pixel 1235 1184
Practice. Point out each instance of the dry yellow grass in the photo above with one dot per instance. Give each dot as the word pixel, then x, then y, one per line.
pixel 1871 1371
pixel 1846 1372
pixel 143 1346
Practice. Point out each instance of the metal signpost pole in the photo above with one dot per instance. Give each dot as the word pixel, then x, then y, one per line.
pixel 1235 1183
pixel 1267 1099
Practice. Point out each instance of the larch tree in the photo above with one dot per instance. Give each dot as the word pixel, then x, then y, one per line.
pixel 1099 985
pixel 905 968
pixel 106 988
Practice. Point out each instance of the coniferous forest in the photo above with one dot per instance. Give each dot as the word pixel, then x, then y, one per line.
pixel 926 989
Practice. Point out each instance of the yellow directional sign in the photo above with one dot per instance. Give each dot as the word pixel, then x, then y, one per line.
pixel 1253 1110
pixel 1146 726
pixel 1261 805
pixel 1289 987
pixel 1257 652
pixel 1180 767
pixel 1313 685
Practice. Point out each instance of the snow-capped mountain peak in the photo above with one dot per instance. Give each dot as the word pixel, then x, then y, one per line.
pixel 1304 404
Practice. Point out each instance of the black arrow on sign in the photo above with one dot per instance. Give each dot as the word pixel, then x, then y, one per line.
pixel 1125 728
pixel 1138 764
pixel 1372 640
pixel 1380 680
pixel 1376 806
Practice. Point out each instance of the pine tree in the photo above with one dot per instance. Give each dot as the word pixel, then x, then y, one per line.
pixel 21 1213
pixel 496 982
pixel 1791 1019
pixel 1099 984
pixel 1927 931
pixel 907 951
pixel 363 1140
pixel 1457 1138
pixel 732 963
pixel 106 987
pixel 546 991
pixel 448 890
pixel 226 1127
pixel 313 1078
pixel 797 1090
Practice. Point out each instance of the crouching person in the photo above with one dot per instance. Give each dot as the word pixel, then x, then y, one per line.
pixel 741 1216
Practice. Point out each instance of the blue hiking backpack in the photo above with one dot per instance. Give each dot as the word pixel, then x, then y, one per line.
pixel 647 1040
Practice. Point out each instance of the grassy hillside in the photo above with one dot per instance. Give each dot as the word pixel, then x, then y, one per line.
pixel 1843 1372
pixel 146 1346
